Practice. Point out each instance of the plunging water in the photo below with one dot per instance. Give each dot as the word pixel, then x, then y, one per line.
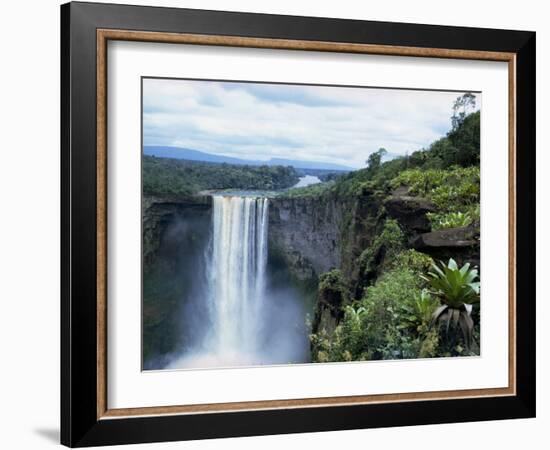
pixel 242 319
pixel 237 273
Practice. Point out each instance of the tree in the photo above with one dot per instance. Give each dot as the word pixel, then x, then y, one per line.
pixel 465 140
pixel 462 106
pixel 375 159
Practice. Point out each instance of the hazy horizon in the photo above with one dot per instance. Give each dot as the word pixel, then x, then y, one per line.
pixel 326 124
pixel 161 152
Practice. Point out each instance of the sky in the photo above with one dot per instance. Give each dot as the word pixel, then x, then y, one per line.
pixel 341 125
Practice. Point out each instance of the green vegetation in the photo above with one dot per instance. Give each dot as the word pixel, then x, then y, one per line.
pixel 374 160
pixel 420 311
pixel 400 317
pixel 392 318
pixel 398 303
pixel 460 107
pixel 452 219
pixel 385 247
pixel 163 176
pixel 458 150
pixel 387 300
pixel 454 191
pixel 333 281
pixel 458 290
pixel 460 146
pixel 313 190
pixel 383 324
pixel 411 259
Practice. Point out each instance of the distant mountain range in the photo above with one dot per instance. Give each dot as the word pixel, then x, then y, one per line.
pixel 195 155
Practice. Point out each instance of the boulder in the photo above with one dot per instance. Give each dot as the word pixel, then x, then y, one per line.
pixel 448 238
pixel 460 243
pixel 410 212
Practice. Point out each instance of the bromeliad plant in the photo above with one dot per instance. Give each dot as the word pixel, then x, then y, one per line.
pixel 457 289
pixel 441 221
pixel 418 312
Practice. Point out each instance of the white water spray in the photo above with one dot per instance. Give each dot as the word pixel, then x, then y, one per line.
pixel 237 273
pixel 244 322
pixel 236 284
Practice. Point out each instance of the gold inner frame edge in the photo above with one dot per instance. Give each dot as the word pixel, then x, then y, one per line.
pixel 103 36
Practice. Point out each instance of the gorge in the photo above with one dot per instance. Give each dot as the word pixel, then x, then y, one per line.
pixel 276 265
pixel 289 223
pixel 244 270
pixel 236 308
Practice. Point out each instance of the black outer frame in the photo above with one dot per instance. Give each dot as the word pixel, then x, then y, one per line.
pixel 79 424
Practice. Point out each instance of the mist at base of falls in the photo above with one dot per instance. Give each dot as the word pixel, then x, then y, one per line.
pixel 244 311
pixel 283 340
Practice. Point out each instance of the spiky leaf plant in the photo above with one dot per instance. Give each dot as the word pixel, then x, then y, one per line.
pixel 419 311
pixel 457 289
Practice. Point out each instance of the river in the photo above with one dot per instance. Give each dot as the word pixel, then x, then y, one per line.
pixel 307 180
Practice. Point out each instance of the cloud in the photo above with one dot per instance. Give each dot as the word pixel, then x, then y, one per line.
pixel 260 121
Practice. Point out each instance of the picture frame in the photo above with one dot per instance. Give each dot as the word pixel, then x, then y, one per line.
pixel 86 29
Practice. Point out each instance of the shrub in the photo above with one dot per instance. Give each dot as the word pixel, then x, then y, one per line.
pixel 384 249
pixel 413 260
pixel 377 326
pixel 449 220
pixel 332 280
pixel 418 311
pixel 455 192
pixel 458 289
pixel 404 314
pixel 456 184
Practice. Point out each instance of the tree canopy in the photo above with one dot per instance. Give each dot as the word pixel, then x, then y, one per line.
pixel 165 176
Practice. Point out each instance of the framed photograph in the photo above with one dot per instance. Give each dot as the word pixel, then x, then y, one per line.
pixel 277 224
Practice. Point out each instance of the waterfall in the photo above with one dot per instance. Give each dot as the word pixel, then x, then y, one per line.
pixel 236 285
pixel 237 318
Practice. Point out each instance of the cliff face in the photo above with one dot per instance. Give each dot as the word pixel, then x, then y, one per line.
pixel 175 233
pixel 306 233
pixel 308 237
pixel 160 213
pixel 316 234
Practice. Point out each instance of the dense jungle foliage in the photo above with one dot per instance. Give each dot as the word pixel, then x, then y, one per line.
pixel 394 302
pixel 399 316
pixel 410 306
pixel 447 173
pixel 165 176
pixel 459 149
